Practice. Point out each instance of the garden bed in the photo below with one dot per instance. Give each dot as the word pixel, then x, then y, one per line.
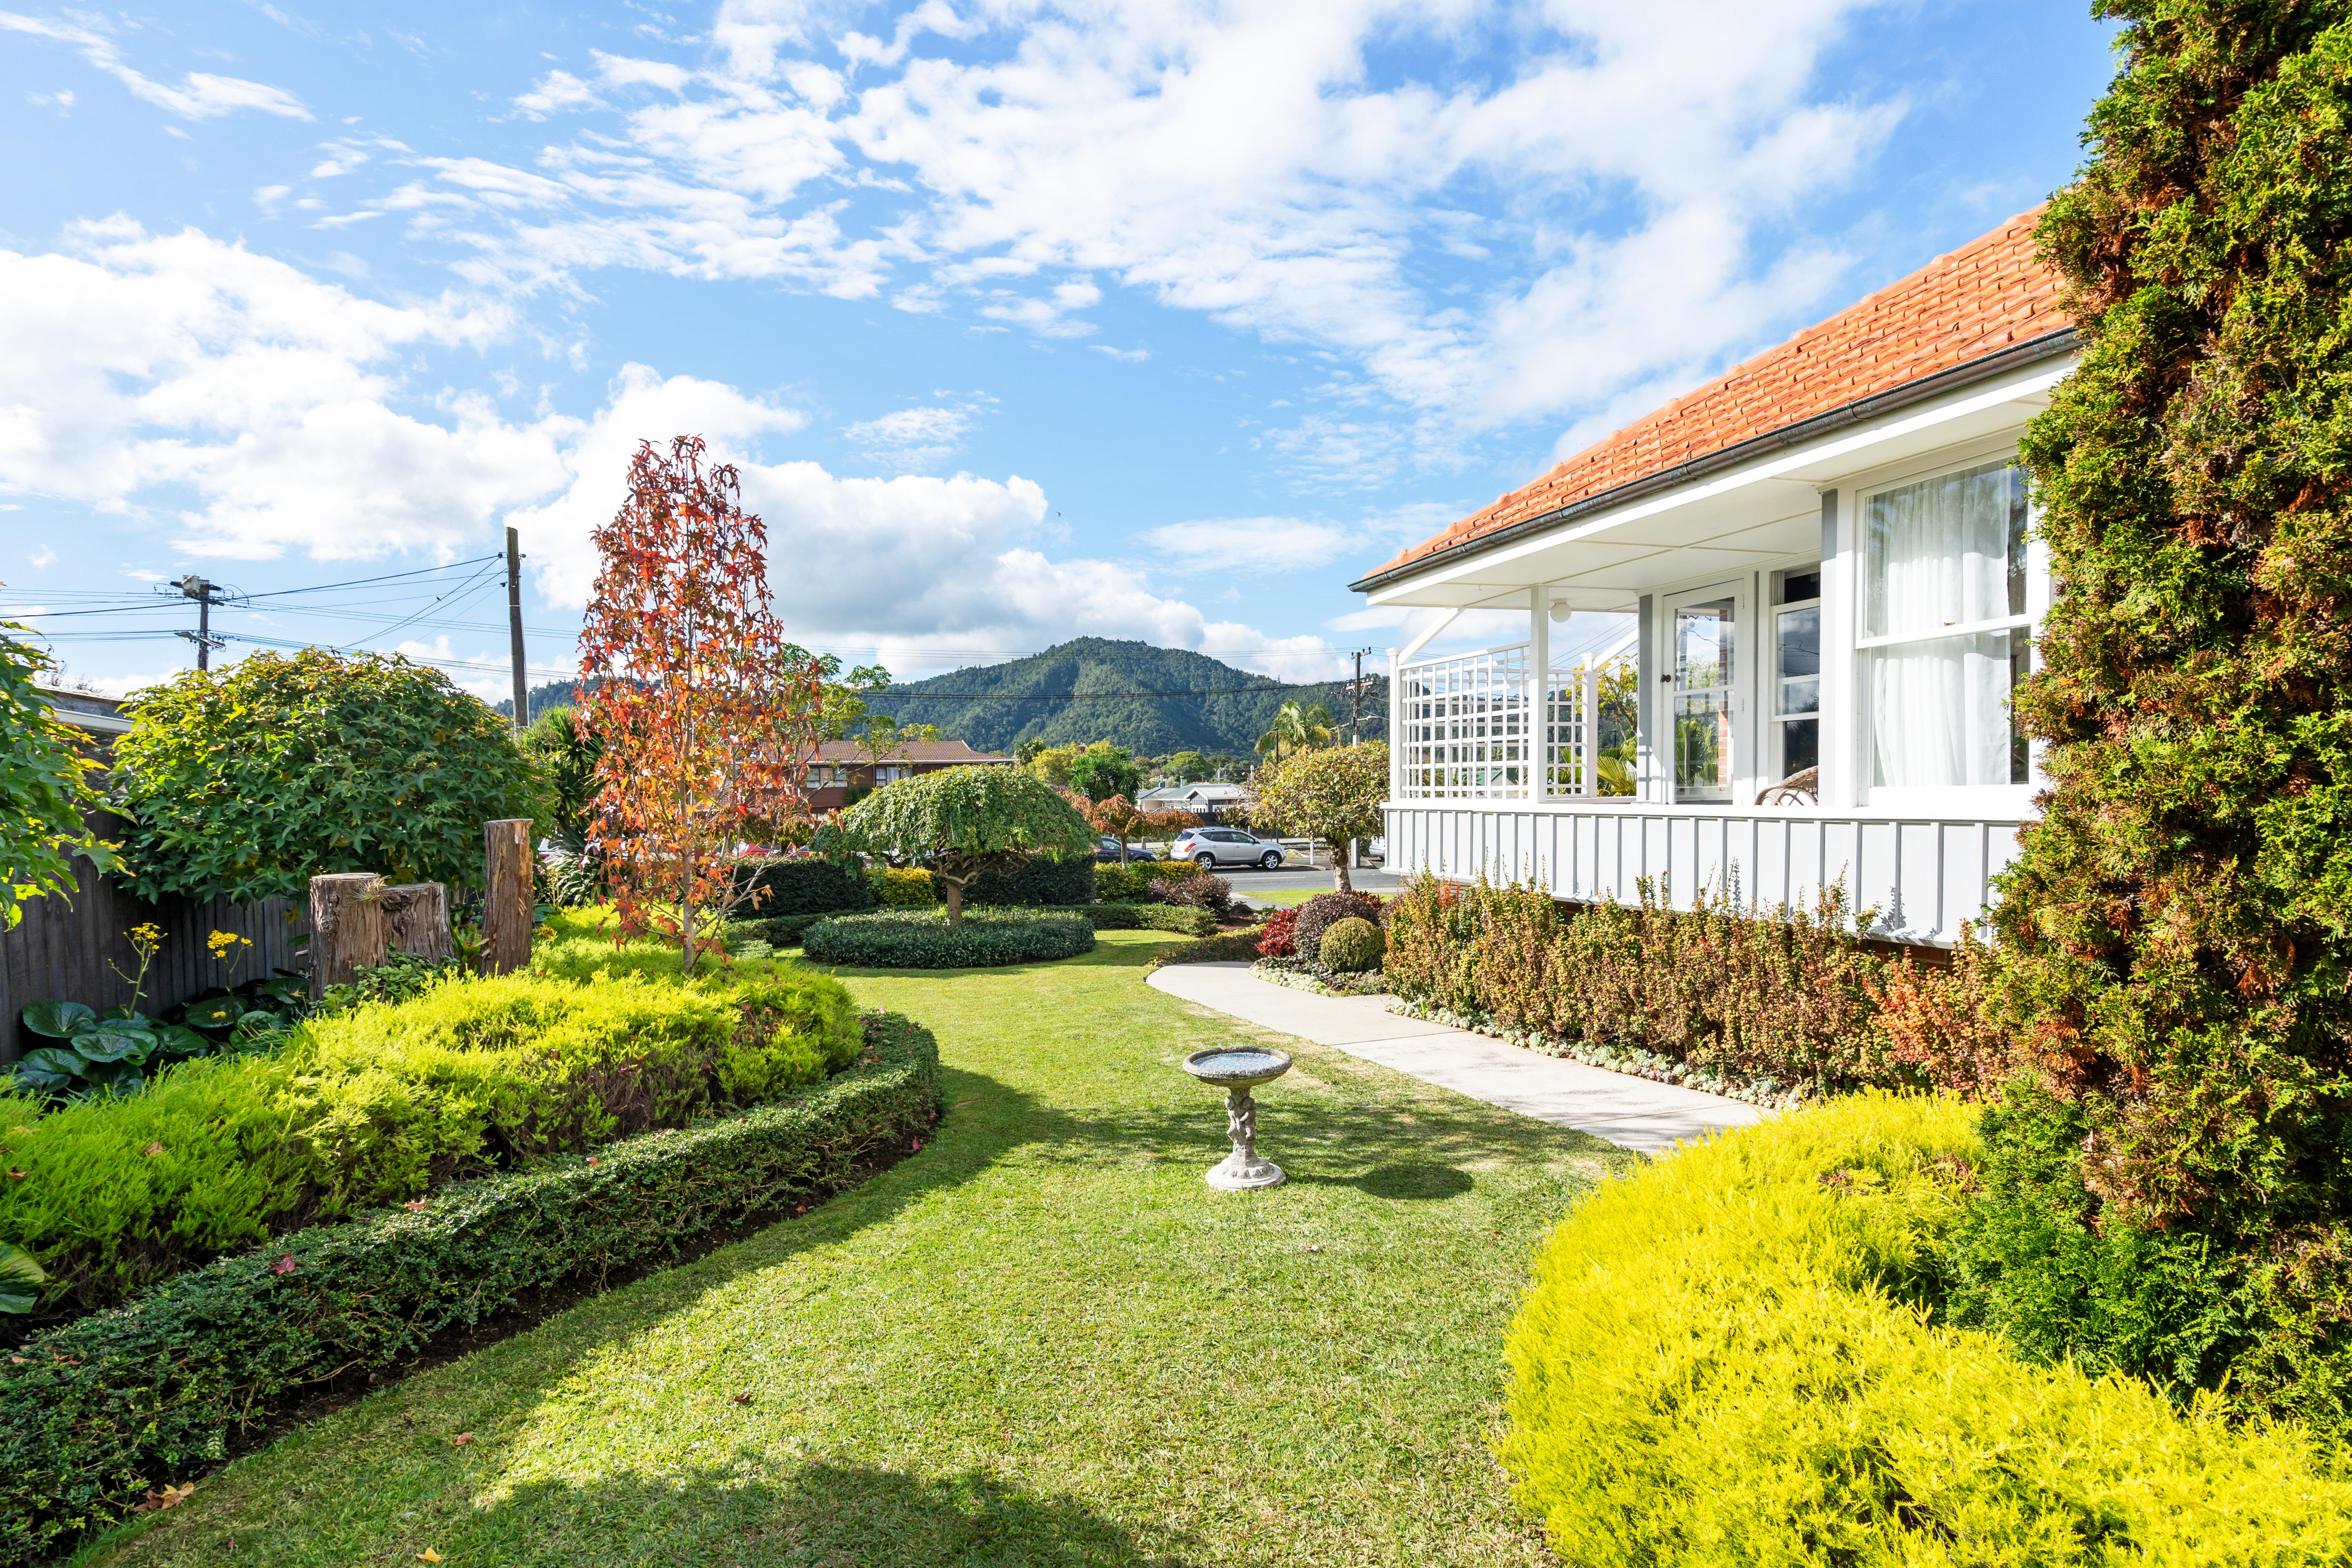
pixel 1299 974
pixel 97 1411
pixel 1631 1061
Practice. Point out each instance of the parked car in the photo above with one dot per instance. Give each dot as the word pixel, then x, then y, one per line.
pixel 1106 850
pixel 1214 847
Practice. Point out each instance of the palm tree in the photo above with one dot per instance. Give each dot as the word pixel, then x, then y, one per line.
pixel 1298 729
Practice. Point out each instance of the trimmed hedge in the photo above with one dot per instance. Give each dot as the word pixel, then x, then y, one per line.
pixel 1234 947
pixel 922 939
pixel 385 1101
pixel 95 1412
pixel 788 885
pixel 1036 881
pixel 1143 917
pixel 1729 1358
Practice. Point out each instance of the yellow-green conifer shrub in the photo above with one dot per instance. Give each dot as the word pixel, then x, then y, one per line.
pixel 898 887
pixel 1732 1358
pixel 381 1103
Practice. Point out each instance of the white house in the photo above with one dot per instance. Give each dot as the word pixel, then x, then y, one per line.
pixel 1818 566
pixel 1204 799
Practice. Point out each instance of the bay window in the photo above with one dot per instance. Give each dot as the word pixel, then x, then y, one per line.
pixel 1946 628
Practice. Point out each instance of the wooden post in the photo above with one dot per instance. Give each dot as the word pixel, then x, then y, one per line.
pixel 416 921
pixel 346 927
pixel 506 914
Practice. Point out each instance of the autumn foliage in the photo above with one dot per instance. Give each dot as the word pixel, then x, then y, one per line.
pixel 708 714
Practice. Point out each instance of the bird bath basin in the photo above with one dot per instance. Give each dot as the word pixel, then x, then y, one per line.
pixel 1237 1070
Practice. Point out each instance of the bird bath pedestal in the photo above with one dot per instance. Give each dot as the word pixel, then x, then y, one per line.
pixel 1237 1070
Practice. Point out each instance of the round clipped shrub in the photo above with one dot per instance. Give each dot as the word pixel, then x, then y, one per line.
pixel 1324 911
pixel 1352 946
pixel 922 939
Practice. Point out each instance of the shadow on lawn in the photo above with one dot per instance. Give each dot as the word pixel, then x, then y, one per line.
pixel 853 1516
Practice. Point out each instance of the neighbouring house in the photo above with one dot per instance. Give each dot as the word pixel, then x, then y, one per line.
pixel 97 717
pixel 842 768
pixel 1206 801
pixel 1820 569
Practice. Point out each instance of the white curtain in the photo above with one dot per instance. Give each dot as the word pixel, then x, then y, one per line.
pixel 1938 556
pixel 1939 712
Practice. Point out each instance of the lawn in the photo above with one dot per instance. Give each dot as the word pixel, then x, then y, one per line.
pixel 1041 1340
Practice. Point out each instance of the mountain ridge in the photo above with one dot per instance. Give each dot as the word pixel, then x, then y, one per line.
pixel 1153 700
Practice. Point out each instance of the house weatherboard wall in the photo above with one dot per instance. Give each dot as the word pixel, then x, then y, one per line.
pixel 1772 628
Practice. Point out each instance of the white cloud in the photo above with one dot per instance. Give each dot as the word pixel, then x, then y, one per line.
pixel 926 572
pixel 199 95
pixel 249 407
pixel 1635 171
pixel 41 555
pixel 1276 543
pixel 911 439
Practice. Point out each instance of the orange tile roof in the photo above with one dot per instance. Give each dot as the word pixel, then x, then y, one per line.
pixel 926 753
pixel 1981 298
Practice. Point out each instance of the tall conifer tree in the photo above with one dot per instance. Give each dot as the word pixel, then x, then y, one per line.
pixel 2169 1187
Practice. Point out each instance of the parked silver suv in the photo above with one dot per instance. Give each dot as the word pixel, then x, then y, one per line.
pixel 1213 846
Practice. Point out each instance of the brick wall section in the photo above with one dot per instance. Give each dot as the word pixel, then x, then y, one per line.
pixel 1981 298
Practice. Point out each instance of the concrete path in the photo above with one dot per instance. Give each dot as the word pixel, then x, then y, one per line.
pixel 1632 1112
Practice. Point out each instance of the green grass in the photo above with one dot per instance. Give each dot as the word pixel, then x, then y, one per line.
pixel 1286 895
pixel 1041 1340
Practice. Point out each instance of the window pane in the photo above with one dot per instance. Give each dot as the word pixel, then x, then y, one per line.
pixel 1702 707
pixel 1939 712
pixel 1945 551
pixel 1797 653
pixel 1800 746
pixel 1796 587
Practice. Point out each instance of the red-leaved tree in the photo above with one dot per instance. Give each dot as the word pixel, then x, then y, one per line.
pixel 708 714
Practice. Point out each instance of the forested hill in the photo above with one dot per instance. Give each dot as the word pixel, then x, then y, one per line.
pixel 1152 700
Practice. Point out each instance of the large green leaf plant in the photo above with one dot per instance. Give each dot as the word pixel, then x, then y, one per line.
pixel 45 791
pixel 251 780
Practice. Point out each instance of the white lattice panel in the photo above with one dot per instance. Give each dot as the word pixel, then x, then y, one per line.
pixel 1465 730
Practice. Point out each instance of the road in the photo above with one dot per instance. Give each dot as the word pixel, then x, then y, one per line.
pixel 1248 880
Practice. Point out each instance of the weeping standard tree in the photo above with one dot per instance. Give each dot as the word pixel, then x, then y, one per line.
pixel 2168 1185
pixel 961 821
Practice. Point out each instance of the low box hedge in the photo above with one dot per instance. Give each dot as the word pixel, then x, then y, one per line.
pixel 1141 917
pixel 1233 947
pixel 383 1101
pixel 95 1412
pixel 1734 1357
pixel 922 939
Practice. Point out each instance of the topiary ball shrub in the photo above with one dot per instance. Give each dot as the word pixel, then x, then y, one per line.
pixel 922 939
pixel 902 887
pixel 1324 911
pixel 1352 946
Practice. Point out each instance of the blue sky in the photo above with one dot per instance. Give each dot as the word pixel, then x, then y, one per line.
pixel 1024 321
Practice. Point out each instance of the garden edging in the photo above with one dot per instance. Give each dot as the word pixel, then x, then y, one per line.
pixel 98 1411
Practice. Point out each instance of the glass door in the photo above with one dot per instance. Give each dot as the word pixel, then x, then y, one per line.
pixel 1702 657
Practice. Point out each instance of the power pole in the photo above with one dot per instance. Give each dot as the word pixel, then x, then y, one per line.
pixel 1356 700
pixel 205 595
pixel 514 630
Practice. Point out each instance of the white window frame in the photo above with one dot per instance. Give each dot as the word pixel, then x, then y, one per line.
pixel 2001 801
pixel 1767 709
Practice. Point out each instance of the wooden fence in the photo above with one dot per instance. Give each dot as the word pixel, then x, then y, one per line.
pixel 73 949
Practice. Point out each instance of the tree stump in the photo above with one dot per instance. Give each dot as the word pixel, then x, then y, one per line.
pixel 506 913
pixel 346 927
pixel 416 921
